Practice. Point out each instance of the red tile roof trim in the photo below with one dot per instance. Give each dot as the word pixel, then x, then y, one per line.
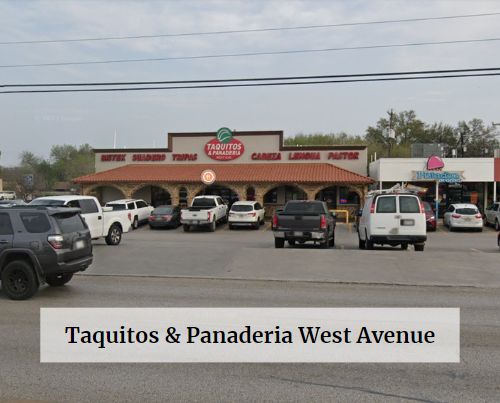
pixel 230 173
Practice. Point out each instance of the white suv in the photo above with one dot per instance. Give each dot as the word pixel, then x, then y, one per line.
pixel 392 219
pixel 139 211
pixel 246 213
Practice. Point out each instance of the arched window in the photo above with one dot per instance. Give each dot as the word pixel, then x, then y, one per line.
pixel 250 196
pixel 183 193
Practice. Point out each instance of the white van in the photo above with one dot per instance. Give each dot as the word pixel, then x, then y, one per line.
pixel 392 219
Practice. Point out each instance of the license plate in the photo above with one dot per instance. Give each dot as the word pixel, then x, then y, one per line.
pixel 467 218
pixel 298 233
pixel 80 244
pixel 195 222
pixel 241 215
pixel 408 222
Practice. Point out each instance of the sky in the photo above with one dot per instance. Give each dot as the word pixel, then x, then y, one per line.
pixel 35 122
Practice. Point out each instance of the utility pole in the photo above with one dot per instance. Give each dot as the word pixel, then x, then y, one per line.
pixel 463 147
pixel 390 133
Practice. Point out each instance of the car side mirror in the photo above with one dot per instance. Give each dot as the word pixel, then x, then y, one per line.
pixel 360 213
pixel 333 214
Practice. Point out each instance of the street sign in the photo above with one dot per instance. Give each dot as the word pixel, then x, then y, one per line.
pixel 28 180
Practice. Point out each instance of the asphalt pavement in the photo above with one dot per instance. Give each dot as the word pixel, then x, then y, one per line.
pixel 474 379
pixel 242 269
pixel 450 258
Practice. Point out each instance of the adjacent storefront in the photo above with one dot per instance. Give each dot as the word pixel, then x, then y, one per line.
pixel 245 165
pixel 442 181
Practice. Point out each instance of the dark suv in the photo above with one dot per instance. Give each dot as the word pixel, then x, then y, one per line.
pixel 41 244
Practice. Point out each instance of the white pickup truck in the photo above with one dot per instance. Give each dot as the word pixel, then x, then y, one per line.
pixel 204 211
pixel 103 222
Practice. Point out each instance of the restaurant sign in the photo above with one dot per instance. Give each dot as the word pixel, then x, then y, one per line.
pixel 434 172
pixel 440 176
pixel 224 147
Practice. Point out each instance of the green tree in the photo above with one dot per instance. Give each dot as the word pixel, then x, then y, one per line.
pixel 474 139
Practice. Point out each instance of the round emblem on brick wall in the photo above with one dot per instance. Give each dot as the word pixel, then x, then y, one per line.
pixel 208 176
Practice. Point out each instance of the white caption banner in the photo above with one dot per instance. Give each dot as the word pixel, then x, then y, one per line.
pixel 249 334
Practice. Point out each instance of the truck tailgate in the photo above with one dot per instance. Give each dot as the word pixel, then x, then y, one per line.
pixel 299 222
pixel 194 215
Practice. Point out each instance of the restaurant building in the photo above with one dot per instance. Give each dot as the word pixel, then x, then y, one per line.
pixel 246 165
pixel 445 180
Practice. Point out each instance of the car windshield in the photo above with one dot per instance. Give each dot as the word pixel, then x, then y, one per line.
pixel 304 208
pixel 241 207
pixel 163 210
pixel 47 202
pixel 116 207
pixel 467 211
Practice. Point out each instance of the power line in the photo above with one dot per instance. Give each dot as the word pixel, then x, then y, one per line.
pixel 239 31
pixel 289 83
pixel 276 78
pixel 282 52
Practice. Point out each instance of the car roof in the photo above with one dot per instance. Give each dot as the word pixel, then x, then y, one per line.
pixel 463 205
pixel 124 201
pixel 245 202
pixel 51 210
pixel 64 198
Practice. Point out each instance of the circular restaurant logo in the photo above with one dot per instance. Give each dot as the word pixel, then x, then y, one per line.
pixel 224 135
pixel 208 176
pixel 224 147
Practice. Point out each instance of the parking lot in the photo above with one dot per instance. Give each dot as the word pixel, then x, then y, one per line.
pixel 450 258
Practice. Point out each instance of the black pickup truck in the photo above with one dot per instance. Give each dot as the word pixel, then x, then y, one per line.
pixel 302 221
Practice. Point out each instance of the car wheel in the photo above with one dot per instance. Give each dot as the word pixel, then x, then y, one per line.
pixel 368 242
pixel 256 225
pixel 231 226
pixel 497 225
pixel 419 247
pixel 261 222
pixel 324 244
pixel 279 243
pixel 57 280
pixel 114 236
pixel 135 223
pixel 19 280
pixel 185 227
pixel 332 241
pixel 404 246
pixel 212 226
pixel 291 242
pixel 361 243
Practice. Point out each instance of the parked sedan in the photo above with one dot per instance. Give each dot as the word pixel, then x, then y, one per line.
pixel 463 216
pixel 430 217
pixel 165 217
pixel 246 213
